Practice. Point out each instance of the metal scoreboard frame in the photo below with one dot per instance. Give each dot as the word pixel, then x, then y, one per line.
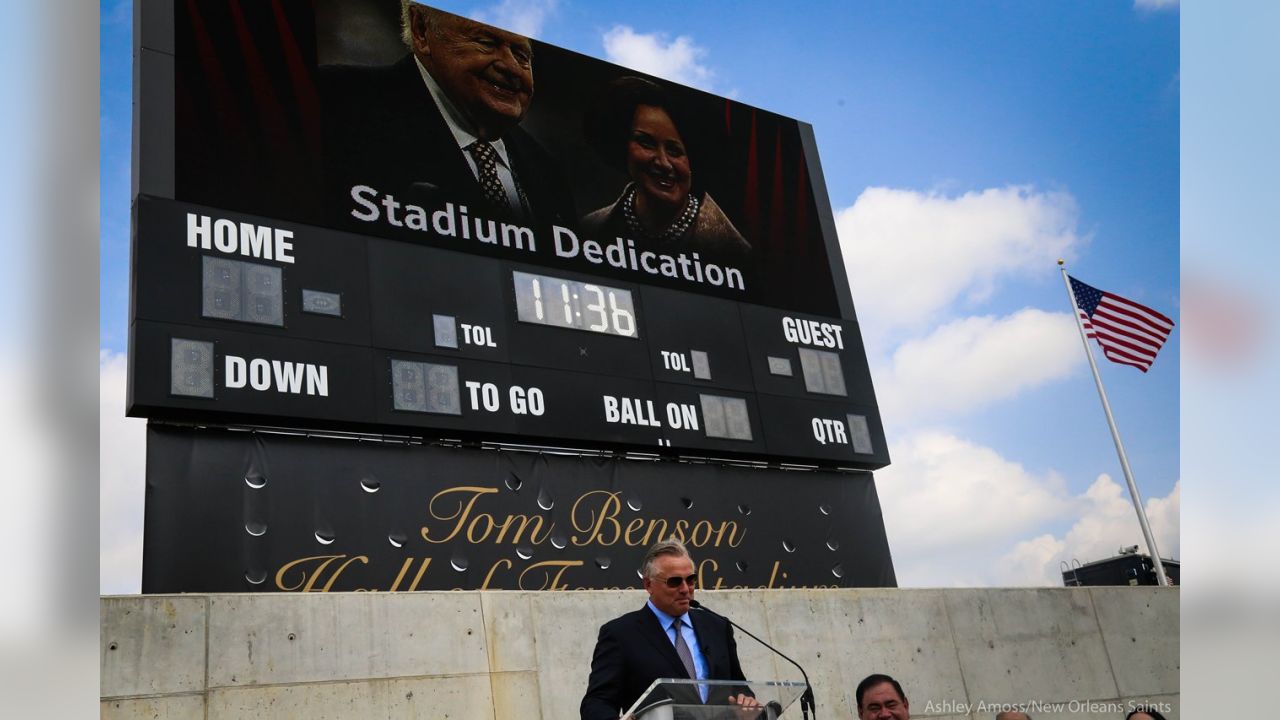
pixel 259 298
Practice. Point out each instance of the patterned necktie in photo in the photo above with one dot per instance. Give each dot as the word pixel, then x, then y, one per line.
pixel 487 166
pixel 682 649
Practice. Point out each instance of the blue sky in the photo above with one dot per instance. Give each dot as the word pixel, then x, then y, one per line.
pixel 965 147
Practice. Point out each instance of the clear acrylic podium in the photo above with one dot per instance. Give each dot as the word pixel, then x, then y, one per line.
pixel 670 699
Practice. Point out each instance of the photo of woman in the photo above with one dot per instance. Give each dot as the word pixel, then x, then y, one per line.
pixel 635 128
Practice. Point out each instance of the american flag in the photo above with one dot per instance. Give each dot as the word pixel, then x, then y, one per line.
pixel 1129 333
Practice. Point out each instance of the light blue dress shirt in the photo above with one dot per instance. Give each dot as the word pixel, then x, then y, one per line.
pixel 690 639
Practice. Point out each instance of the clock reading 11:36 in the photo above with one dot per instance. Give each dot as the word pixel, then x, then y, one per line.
pixel 557 302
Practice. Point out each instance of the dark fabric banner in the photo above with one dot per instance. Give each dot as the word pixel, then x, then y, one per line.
pixel 241 511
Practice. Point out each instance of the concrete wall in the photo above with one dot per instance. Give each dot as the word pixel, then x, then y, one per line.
pixel 504 654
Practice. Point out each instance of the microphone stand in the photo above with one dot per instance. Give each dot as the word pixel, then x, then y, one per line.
pixel 807 703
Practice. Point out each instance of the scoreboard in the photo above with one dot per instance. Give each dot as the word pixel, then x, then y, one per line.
pixel 247 319
pixel 270 289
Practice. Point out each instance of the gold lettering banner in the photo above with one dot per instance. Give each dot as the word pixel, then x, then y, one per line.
pixel 241 512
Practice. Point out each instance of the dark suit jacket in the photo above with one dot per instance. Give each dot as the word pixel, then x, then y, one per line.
pixel 634 650
pixel 382 129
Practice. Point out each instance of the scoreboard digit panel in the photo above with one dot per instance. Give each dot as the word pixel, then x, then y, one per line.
pixel 184 371
pixel 844 433
pixel 807 356
pixel 440 392
pixel 243 271
pixel 710 420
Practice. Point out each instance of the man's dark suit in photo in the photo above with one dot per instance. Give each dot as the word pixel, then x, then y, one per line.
pixel 634 650
pixel 385 130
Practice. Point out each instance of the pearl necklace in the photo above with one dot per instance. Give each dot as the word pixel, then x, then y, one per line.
pixel 674 231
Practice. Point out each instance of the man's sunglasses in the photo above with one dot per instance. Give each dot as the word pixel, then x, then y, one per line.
pixel 674 581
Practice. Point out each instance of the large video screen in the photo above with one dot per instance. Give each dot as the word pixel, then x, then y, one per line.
pixel 426 127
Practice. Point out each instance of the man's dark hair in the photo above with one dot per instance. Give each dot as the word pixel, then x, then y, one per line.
pixel 607 124
pixel 1148 709
pixel 873 680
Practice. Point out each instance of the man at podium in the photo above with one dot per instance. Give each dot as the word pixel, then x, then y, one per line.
pixel 661 640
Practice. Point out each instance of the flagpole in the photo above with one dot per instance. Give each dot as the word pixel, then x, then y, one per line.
pixel 1115 436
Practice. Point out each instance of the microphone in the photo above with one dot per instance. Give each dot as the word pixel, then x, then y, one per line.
pixel 807 704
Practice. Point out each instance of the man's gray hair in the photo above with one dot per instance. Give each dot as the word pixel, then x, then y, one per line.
pixel 670 546
pixel 406 20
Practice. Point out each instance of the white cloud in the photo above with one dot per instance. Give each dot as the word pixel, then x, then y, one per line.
pixel 959 514
pixel 975 361
pixel 950 507
pixel 910 255
pixel 679 60
pixel 122 477
pixel 1105 523
pixel 525 17
pixel 1155 4
pixel 1032 562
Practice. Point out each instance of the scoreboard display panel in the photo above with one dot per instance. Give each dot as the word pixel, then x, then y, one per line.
pixel 286 274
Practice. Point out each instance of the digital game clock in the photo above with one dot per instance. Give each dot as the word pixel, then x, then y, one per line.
pixel 546 300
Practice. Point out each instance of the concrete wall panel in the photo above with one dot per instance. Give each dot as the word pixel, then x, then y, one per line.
pixel 269 639
pixel 1141 633
pixel 747 608
pixel 509 636
pixel 906 635
pixel 152 645
pixel 801 628
pixel 566 626
pixel 516 695
pixel 1019 644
